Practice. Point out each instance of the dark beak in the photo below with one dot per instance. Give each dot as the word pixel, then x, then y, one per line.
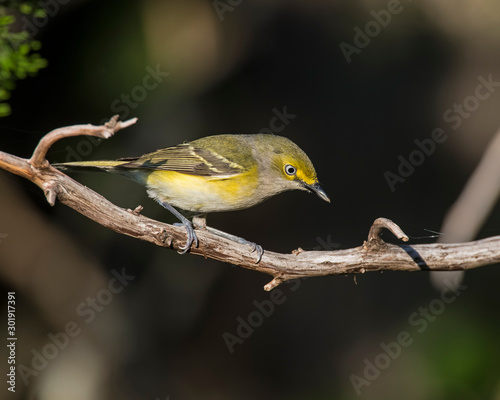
pixel 316 188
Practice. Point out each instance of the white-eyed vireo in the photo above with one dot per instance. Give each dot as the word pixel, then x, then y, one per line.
pixel 216 173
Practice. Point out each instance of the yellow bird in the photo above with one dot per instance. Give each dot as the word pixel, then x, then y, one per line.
pixel 216 173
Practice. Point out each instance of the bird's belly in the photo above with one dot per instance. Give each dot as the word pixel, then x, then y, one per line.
pixel 203 194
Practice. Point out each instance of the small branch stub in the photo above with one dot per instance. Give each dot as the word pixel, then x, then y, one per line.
pixel 381 223
pixel 137 210
pixel 278 280
pixel 50 191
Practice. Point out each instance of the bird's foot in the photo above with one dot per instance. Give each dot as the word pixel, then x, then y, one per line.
pixel 191 237
pixel 255 247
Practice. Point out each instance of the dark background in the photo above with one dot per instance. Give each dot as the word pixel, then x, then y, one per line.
pixel 162 336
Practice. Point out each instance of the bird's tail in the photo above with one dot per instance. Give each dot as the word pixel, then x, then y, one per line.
pixel 84 166
pixel 122 167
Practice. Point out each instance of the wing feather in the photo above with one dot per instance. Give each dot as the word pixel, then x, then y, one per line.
pixel 188 159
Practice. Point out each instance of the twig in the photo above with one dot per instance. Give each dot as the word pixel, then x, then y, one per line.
pixel 381 223
pixel 105 132
pixel 374 255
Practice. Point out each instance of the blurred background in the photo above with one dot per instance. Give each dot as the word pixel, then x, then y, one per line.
pixel 104 316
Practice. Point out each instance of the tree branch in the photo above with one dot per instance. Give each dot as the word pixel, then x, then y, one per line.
pixel 373 255
pixel 104 132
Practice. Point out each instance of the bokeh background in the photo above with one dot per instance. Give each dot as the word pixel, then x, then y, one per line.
pixel 230 65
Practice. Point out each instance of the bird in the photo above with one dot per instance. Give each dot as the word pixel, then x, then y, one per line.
pixel 225 172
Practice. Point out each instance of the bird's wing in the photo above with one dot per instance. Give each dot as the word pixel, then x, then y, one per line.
pixel 187 159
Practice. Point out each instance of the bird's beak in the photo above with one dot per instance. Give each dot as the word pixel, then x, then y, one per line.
pixel 316 188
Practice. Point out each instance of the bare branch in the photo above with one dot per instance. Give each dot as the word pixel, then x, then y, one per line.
pixel 373 255
pixel 379 224
pixel 105 132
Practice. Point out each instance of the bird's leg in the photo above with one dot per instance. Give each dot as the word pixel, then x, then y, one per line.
pixel 200 221
pixel 191 236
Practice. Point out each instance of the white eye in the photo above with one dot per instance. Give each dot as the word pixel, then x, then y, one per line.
pixel 290 170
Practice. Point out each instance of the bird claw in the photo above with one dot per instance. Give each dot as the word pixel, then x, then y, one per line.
pixel 191 237
pixel 257 248
pixel 183 250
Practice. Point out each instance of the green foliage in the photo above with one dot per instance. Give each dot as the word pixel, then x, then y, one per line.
pixel 18 51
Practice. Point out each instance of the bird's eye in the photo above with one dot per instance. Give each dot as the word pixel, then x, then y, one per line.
pixel 290 170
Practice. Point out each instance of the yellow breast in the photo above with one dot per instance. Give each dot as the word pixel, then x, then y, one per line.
pixel 203 193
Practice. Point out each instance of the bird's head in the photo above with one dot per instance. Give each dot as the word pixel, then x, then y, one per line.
pixel 290 167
